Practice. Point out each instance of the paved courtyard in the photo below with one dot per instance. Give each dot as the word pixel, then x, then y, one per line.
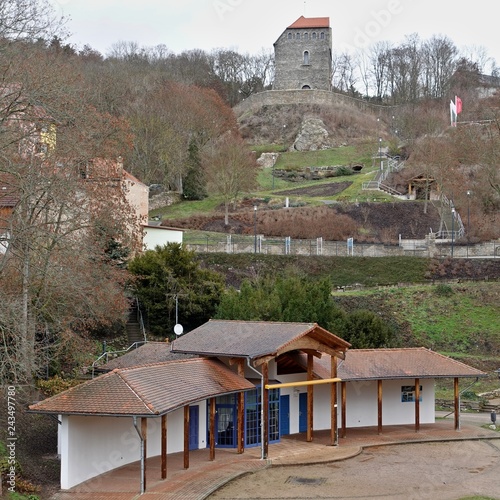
pixel 204 476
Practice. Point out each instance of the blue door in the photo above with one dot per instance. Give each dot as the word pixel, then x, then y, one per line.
pixel 303 412
pixel 194 421
pixel 285 415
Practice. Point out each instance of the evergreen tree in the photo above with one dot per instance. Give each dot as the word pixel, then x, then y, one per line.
pixel 194 181
pixel 170 275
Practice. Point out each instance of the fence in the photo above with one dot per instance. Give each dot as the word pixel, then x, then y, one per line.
pixel 259 244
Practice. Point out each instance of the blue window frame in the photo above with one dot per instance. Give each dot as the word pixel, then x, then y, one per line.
pixel 408 394
pixel 226 415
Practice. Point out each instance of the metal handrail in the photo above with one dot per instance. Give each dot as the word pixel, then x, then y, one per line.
pixel 106 354
pixel 140 319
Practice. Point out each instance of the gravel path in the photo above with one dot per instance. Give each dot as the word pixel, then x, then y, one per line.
pixel 444 471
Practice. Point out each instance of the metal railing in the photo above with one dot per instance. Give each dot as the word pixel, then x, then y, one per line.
pixel 105 355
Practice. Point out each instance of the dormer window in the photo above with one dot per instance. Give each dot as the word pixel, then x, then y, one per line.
pixel 306 57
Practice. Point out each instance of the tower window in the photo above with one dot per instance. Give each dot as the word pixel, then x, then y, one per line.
pixel 306 57
pixel 289 35
pixel 314 36
pixel 306 36
pixel 322 36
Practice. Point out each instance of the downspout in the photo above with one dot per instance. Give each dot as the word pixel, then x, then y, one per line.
pixel 261 408
pixel 142 454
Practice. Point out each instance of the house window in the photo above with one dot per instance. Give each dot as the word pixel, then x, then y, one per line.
pixel 314 36
pixel 408 394
pixel 289 35
pixel 306 36
pixel 306 57
pixel 322 36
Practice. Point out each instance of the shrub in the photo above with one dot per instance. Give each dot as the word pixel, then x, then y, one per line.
pixel 443 290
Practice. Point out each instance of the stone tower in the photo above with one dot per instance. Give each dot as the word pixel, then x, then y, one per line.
pixel 303 55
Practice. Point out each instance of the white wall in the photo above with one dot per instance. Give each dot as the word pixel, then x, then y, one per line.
pixel 156 236
pixel 321 406
pixel 91 446
pixel 362 403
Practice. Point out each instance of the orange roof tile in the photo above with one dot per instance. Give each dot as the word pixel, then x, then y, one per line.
pixel 310 22
pixel 150 352
pixel 148 390
pixel 379 364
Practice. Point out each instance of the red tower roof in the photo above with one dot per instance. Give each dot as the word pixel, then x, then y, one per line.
pixel 311 22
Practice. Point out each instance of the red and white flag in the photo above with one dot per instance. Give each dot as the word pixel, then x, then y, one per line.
pixel 458 105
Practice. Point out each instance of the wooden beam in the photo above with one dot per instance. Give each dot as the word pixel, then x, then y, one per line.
pixel 334 441
pixel 265 410
pixel 344 399
pixel 304 383
pixel 164 446
pixel 261 361
pixel 186 437
pixel 212 429
pixel 457 404
pixel 144 432
pixel 241 407
pixel 379 410
pixel 308 344
pixel 417 405
pixel 310 399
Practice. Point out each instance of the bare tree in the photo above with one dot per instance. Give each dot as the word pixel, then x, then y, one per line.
pixel 439 62
pixel 230 169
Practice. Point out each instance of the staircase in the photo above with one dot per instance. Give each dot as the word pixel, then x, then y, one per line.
pixel 134 327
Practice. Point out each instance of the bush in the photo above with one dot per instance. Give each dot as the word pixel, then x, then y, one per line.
pixel 443 290
pixel 55 385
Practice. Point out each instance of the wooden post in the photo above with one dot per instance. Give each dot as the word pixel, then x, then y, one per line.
pixel 379 396
pixel 457 404
pixel 241 408
pixel 186 437
pixel 344 412
pixel 417 405
pixel 164 446
pixel 212 429
pixel 310 399
pixel 144 432
pixel 265 410
pixel 334 436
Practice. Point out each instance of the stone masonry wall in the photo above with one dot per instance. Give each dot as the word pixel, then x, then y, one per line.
pixel 303 58
pixel 320 97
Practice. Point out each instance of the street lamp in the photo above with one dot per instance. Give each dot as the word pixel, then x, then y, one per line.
pixel 468 221
pixel 452 229
pixel 255 229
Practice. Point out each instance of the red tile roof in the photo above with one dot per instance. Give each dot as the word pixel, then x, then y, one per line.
pixel 251 339
pixel 310 22
pixel 149 390
pixel 150 352
pixel 380 364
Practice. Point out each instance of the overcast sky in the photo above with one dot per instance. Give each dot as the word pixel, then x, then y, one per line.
pixel 249 26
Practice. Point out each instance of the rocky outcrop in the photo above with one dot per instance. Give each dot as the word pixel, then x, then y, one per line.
pixel 312 136
pixel 268 160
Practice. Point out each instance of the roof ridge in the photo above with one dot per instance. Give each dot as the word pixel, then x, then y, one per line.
pixel 154 363
pixel 139 395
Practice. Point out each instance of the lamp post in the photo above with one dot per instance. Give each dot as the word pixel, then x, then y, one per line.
pixel 255 229
pixel 452 229
pixel 468 221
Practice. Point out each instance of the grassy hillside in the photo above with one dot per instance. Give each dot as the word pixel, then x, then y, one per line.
pixel 461 320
